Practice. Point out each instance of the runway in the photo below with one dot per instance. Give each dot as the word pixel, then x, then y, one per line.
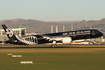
pixel 48 46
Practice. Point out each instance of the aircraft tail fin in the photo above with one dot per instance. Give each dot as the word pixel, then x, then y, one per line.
pixel 10 33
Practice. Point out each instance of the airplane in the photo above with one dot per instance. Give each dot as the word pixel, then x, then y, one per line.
pixel 52 38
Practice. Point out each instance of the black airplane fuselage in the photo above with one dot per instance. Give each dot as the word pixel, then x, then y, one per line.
pixel 75 35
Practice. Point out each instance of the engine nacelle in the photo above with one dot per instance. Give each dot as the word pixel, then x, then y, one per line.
pixel 66 40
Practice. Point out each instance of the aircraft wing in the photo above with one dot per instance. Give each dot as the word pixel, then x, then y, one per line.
pixel 53 38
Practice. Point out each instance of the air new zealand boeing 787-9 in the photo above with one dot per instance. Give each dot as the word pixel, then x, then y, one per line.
pixel 52 38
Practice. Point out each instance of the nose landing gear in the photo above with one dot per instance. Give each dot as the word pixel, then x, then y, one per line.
pixel 53 44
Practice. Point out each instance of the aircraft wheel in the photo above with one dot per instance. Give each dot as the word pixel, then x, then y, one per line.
pixel 53 46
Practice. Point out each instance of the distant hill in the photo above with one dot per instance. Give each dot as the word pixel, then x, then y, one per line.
pixel 45 27
pixel 35 25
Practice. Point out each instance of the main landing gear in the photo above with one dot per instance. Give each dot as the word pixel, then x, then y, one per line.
pixel 53 45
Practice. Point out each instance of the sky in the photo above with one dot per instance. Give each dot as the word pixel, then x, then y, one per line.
pixel 52 10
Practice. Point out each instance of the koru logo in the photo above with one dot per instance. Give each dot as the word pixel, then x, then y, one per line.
pixel 9 32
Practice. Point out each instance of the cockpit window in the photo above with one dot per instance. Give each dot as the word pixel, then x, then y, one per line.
pixel 98 32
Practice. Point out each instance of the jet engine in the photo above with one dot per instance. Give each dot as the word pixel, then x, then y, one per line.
pixel 66 40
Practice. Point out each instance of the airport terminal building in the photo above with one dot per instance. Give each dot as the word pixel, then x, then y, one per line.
pixel 19 31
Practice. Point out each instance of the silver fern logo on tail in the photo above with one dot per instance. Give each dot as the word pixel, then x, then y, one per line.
pixel 9 32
